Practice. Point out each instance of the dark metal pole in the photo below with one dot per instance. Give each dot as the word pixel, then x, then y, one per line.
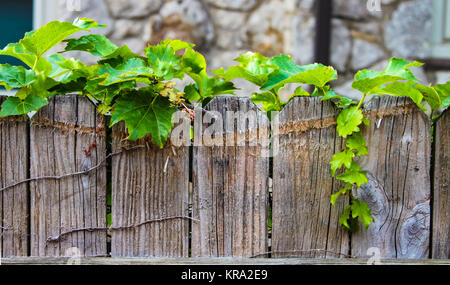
pixel 324 10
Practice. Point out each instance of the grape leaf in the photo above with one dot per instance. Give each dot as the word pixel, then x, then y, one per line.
pixel 18 51
pixel 195 67
pixel 343 191
pixel 66 70
pixel 444 93
pixel 349 120
pixel 252 67
pixel 289 72
pixel 144 113
pixel 270 101
pixel 400 67
pixel 340 159
pixel 97 45
pixel 15 106
pixel 130 70
pixel 300 92
pixel 357 143
pixel 367 81
pixel 191 93
pixel 341 102
pixel 405 89
pixel 362 211
pixel 354 175
pixel 106 94
pixel 15 76
pixel 53 33
pixel 345 217
pixel 166 64
pixel 85 23
pixel 430 95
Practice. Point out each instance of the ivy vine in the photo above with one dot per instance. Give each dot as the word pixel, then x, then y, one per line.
pixel 141 90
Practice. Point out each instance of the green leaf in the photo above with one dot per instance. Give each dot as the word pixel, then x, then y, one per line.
pixel 144 112
pixel 357 143
pixel 430 95
pixel 195 67
pixel 177 44
pixel 343 191
pixel 368 81
pixel 252 67
pixel 270 101
pixel 14 106
pixel 349 120
pixel 340 159
pixel 444 94
pixel 345 217
pixel 67 70
pixel 299 92
pixel 132 69
pixel 405 89
pixel 15 76
pixel 191 93
pixel 18 51
pixel 289 72
pixel 42 85
pixel 107 94
pixel 400 67
pixel 84 23
pixel 49 36
pixel 342 102
pixel 97 45
pixel 166 64
pixel 354 175
pixel 362 211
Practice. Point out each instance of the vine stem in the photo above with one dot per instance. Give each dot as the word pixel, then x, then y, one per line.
pixel 362 100
pixel 35 63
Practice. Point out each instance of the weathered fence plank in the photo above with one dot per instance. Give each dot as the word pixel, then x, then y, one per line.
pixel 230 180
pixel 398 192
pixel 441 196
pixel 67 137
pixel 304 222
pixel 150 198
pixel 13 201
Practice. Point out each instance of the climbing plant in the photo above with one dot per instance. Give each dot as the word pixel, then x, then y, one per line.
pixel 141 89
pixel 273 74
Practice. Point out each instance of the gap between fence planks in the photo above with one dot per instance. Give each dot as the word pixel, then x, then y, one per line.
pixel 230 180
pixel 441 197
pixel 13 204
pixel 65 138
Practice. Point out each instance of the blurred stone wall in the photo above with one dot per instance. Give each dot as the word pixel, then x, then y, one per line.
pixel 363 39
pixel 222 29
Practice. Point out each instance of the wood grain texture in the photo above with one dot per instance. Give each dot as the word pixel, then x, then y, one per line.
pixel 217 261
pixel 61 135
pixel 441 195
pixel 147 184
pixel 303 218
pixel 398 192
pixel 14 201
pixel 230 180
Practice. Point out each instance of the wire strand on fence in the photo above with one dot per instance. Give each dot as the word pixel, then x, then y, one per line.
pixel 91 229
pixel 60 177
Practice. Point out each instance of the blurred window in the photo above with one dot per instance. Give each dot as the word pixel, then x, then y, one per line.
pixel 16 18
pixel 441 29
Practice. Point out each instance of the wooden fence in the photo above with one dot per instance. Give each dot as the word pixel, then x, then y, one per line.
pixel 57 169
